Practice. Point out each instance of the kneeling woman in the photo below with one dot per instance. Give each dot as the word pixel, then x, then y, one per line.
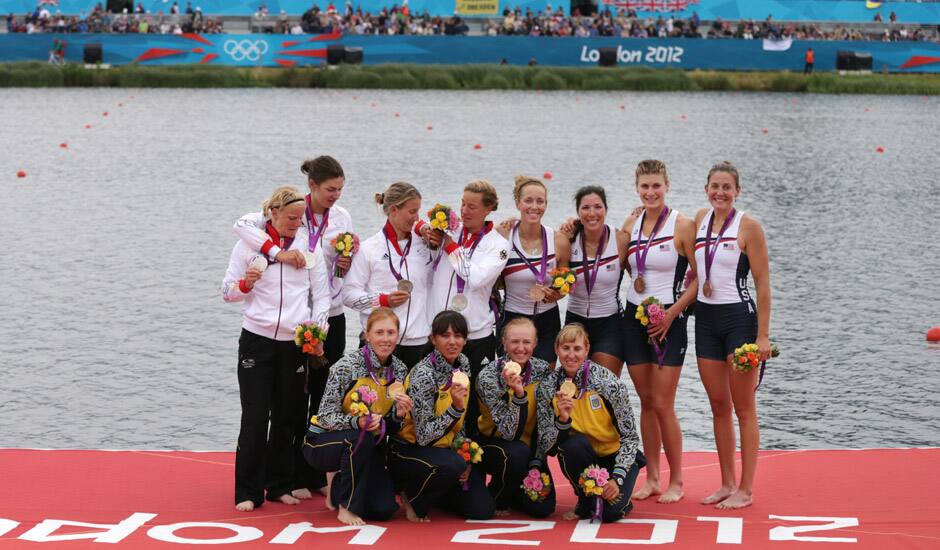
pixel 507 421
pixel 342 439
pixel 585 418
pixel 422 462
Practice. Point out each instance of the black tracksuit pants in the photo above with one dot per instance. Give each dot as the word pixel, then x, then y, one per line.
pixel 508 463
pixel 574 455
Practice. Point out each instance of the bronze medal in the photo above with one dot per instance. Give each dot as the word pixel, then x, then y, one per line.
pixel 639 285
pixel 707 289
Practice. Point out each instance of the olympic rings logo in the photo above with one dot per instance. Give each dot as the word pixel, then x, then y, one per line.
pixel 241 50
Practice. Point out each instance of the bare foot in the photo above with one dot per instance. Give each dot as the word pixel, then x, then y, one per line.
pixel 287 499
pixel 501 513
pixel 570 516
pixel 738 499
pixel 245 506
pixel 719 495
pixel 349 518
pixel 302 494
pixel 410 511
pixel 326 490
pixel 673 494
pixel 651 487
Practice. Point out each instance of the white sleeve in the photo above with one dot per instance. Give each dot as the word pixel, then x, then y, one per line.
pixel 250 229
pixel 320 292
pixel 237 265
pixel 355 295
pixel 482 270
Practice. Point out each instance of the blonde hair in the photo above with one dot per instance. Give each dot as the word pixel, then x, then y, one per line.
pixel 281 197
pixel 570 333
pixel 524 181
pixel 379 314
pixel 651 167
pixel 519 321
pixel 486 189
pixel 396 195
pixel 727 167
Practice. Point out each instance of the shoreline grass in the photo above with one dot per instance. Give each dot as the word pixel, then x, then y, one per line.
pixel 464 77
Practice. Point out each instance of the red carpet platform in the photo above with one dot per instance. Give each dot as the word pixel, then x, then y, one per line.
pixel 880 499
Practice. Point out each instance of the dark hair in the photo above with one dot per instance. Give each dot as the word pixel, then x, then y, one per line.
pixel 590 190
pixel 321 169
pixel 449 319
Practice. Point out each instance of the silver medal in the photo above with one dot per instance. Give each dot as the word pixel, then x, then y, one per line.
pixel 308 259
pixel 405 285
pixel 458 302
pixel 258 263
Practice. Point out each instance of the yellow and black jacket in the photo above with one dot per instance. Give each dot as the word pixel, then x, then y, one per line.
pixel 502 414
pixel 602 414
pixel 346 376
pixel 433 421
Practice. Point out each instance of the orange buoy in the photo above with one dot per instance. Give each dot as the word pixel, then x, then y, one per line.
pixel 933 334
pixel 477 146
pixel 87 126
pixel 622 107
pixel 765 130
pixel 547 175
pixel 397 115
pixel 430 127
pixel 880 149
pixel 683 117
pixel 21 174
pixel 64 145
pixel 120 104
pixel 355 98
pixel 104 113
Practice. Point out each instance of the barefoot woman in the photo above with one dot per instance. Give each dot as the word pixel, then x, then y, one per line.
pixel 729 244
pixel 661 243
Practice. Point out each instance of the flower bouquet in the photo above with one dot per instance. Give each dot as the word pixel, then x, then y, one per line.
pixel 747 357
pixel 345 244
pixel 536 485
pixel 652 311
pixel 469 450
pixel 562 279
pixel 360 404
pixel 443 218
pixel 307 336
pixel 592 481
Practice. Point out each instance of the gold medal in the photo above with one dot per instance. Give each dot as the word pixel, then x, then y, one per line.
pixel 460 379
pixel 639 284
pixel 537 293
pixel 568 389
pixel 512 369
pixel 395 389
pixel 707 289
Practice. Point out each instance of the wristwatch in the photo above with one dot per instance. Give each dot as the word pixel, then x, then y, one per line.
pixel 619 481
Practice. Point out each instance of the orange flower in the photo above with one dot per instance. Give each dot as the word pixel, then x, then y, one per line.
pixel 308 335
pixel 314 342
pixel 751 357
pixel 307 348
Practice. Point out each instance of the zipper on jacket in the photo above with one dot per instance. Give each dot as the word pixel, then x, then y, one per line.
pixel 280 304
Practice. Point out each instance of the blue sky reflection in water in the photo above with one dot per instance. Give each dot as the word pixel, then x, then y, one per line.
pixel 114 334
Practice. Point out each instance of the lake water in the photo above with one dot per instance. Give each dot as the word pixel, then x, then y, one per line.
pixel 113 333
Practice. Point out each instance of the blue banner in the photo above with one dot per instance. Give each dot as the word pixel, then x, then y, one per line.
pixel 781 10
pixel 247 50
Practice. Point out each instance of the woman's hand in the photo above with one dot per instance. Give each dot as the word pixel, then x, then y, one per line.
pixel 514 381
pixel 763 347
pixel 459 395
pixel 658 332
pixel 318 350
pixel 551 295
pixel 435 237
pixel 505 227
pixel 252 276
pixel 464 476
pixel 403 405
pixel 568 227
pixel 398 298
pixel 565 406
pixel 611 491
pixel 344 263
pixel 291 257
pixel 369 422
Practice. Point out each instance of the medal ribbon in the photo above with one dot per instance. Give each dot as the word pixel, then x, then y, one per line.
pixel 476 242
pixel 314 238
pixel 389 371
pixel 543 265
pixel 435 357
pixel 590 276
pixel 710 255
pixel 389 230
pixel 641 252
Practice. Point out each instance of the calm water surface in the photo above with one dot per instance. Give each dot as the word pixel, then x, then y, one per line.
pixel 113 333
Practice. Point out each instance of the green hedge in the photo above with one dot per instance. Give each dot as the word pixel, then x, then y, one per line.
pixel 463 77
